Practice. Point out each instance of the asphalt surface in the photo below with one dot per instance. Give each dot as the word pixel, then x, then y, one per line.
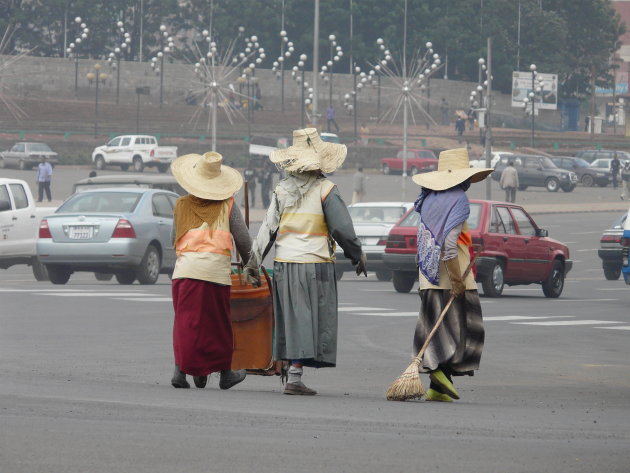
pixel 86 383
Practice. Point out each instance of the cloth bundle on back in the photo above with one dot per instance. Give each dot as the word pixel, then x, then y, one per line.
pixel 306 217
pixel 205 222
pixel 448 290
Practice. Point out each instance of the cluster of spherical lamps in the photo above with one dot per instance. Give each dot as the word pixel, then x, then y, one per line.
pixel 534 95
pixel 115 56
pixel 71 50
pixel 476 96
pixel 336 53
pixel 167 45
pixel 304 87
pixel 286 50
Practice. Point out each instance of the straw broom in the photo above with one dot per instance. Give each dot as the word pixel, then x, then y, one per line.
pixel 408 385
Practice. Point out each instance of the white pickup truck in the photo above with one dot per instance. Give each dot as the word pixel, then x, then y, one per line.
pixel 19 226
pixel 136 151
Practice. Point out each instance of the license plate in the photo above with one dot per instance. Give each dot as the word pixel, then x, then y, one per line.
pixel 83 232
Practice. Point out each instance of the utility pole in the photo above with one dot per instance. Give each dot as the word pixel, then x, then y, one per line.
pixel 488 150
pixel 315 60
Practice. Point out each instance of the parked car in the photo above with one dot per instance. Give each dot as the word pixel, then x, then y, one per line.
pixel 329 137
pixel 19 222
pixel 481 163
pixel 25 155
pixel 537 171
pixel 625 243
pixel 418 160
pixel 604 165
pixel 586 174
pixel 511 249
pixel 610 249
pixel 124 231
pixel 372 222
pixel 137 151
pixel 148 181
pixel 260 147
pixel 591 155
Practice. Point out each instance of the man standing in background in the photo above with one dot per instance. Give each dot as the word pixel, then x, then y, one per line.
pixel 509 182
pixel 358 185
pixel 44 176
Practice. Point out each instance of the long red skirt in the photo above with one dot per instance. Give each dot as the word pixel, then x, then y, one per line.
pixel 202 331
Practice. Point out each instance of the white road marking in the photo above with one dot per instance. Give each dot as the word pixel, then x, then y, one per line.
pixel 584 300
pixel 521 317
pixel 389 314
pixel 611 289
pixel 95 294
pixel 569 322
pixel 145 299
pixel 597 232
pixel 583 250
pixel 358 309
pixel 617 327
pixel 43 290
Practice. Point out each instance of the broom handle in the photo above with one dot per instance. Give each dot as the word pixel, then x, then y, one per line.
pixel 442 315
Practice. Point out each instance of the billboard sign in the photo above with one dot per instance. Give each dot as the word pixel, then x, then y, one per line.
pixel 522 86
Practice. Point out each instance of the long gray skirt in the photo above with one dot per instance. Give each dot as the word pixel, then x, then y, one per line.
pixel 305 310
pixel 457 345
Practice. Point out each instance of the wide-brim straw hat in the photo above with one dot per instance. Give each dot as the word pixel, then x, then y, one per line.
pixel 453 169
pixel 204 176
pixel 309 153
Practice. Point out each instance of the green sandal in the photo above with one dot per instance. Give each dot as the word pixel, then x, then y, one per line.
pixel 439 378
pixel 433 395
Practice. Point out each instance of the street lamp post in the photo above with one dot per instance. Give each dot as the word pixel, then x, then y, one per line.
pixel 336 53
pixel 170 45
pixel 96 76
pixel 535 95
pixel 116 55
pixel 72 49
pixel 301 66
pixel 532 68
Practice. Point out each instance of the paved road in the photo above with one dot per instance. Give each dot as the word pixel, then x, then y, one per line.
pixel 86 370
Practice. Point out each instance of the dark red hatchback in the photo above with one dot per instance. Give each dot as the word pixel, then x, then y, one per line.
pixel 511 249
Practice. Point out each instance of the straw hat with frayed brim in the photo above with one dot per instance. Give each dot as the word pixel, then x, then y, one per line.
pixel 453 169
pixel 309 153
pixel 204 176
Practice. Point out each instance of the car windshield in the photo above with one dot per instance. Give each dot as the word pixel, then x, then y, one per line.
pixel 581 163
pixel 600 164
pixel 120 202
pixel 474 218
pixel 547 163
pixel 104 185
pixel 41 147
pixel 389 215
pixel 619 221
pixel 329 138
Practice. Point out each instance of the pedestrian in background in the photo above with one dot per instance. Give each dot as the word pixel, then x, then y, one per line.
pixel 364 134
pixel 444 243
pixel 472 115
pixel 205 223
pixel 444 111
pixel 305 215
pixel 625 181
pixel 460 126
pixel 250 178
pixel 509 182
pixel 615 164
pixel 43 178
pixel 358 185
pixel 330 119
pixel 266 183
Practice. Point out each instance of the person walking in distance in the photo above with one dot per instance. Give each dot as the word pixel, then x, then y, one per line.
pixel 306 214
pixel 444 243
pixel 509 182
pixel 330 119
pixel 250 178
pixel 444 111
pixel 625 181
pixel 205 224
pixel 43 178
pixel 266 182
pixel 364 134
pixel 358 185
pixel 615 164
pixel 460 126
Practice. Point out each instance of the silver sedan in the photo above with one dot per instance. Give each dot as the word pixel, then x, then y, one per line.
pixel 121 231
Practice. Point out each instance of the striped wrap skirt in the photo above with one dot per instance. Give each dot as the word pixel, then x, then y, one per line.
pixel 457 345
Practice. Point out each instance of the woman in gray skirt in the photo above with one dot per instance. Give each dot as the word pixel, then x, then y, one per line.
pixel 306 216
pixel 443 256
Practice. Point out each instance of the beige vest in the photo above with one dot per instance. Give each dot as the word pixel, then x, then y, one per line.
pixel 205 252
pixel 303 235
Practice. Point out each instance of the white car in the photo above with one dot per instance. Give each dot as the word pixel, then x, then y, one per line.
pixel 481 163
pixel 603 164
pixel 372 222
pixel 137 151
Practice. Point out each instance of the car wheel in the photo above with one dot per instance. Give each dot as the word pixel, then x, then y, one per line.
pixel 494 282
pixel 587 180
pixel 125 277
pixel 568 188
pixel 522 188
pixel 386 170
pixel 58 274
pixel 99 162
pixel 403 281
pixel 554 284
pixel 552 184
pixel 162 168
pixel 39 270
pixel 24 166
pixel 338 275
pixel 124 167
pixel 612 272
pixel 103 276
pixel 384 275
pixel 149 270
pixel 138 165
pixel 2 163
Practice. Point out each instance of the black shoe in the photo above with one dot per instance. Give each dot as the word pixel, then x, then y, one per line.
pixel 231 378
pixel 179 379
pixel 200 381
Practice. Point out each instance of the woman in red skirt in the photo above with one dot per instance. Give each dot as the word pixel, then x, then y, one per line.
pixel 205 224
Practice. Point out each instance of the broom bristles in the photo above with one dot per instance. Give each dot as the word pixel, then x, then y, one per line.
pixel 408 385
